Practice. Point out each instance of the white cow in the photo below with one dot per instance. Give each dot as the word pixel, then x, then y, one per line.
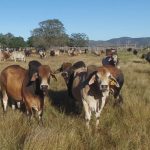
pixel 42 54
pixel 54 52
pixel 18 56
pixel 92 91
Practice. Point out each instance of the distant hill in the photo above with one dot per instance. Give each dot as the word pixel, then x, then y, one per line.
pixel 144 41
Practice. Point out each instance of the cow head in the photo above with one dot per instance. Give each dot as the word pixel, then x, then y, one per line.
pixel 102 78
pixel 65 70
pixel 42 74
pixel 45 74
pixel 64 67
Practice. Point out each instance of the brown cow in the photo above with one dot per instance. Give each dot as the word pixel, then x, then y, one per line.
pixel 29 86
pixel 4 55
pixel 67 71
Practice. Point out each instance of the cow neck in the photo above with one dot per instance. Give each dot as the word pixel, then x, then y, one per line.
pixel 34 88
pixel 94 89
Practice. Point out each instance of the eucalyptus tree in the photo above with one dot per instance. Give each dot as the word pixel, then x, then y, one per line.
pixel 78 40
pixel 50 33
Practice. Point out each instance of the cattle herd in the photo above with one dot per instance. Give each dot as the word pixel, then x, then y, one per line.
pixel 21 54
pixel 89 86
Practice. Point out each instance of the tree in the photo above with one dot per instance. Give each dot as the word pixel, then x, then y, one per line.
pixel 16 42
pixel 3 42
pixel 78 40
pixel 29 42
pixel 50 33
pixel 9 40
pixel 5 39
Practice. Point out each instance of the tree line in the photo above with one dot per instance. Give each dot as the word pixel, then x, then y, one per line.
pixel 9 40
pixel 50 33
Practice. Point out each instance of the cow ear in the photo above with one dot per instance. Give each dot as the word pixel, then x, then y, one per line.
pixel 34 76
pixel 92 79
pixel 113 81
pixel 58 71
pixel 53 76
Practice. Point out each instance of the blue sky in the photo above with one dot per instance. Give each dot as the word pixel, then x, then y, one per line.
pixel 99 19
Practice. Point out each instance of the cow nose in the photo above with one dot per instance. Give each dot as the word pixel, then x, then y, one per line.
pixel 104 87
pixel 44 87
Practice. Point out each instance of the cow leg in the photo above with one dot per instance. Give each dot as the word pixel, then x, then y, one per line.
pixel 98 113
pixel 118 98
pixel 78 106
pixel 13 104
pixel 29 113
pixel 40 113
pixel 87 113
pixel 19 105
pixel 5 100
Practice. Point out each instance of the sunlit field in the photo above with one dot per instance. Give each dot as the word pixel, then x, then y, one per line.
pixel 125 127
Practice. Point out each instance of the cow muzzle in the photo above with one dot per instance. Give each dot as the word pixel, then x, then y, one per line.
pixel 104 88
pixel 44 88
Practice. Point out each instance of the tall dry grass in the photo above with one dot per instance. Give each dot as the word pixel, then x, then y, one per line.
pixel 121 128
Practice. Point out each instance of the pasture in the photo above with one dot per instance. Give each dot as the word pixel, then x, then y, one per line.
pixel 121 128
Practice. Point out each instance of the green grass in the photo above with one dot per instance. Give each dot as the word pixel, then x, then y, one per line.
pixel 121 128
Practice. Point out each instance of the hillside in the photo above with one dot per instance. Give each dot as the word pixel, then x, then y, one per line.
pixel 144 41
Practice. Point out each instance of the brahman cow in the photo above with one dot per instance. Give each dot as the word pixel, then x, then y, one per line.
pixel 18 56
pixel 73 52
pixel 54 53
pixel 111 60
pixel 119 77
pixel 129 49
pixel 4 55
pixel 135 52
pixel 146 56
pixel 67 71
pixel 27 52
pixel 42 54
pixel 90 87
pixel 92 90
pixel 28 86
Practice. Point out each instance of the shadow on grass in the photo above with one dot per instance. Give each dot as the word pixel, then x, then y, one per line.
pixel 62 101
pixel 138 62
pixel 142 71
pixel 59 99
